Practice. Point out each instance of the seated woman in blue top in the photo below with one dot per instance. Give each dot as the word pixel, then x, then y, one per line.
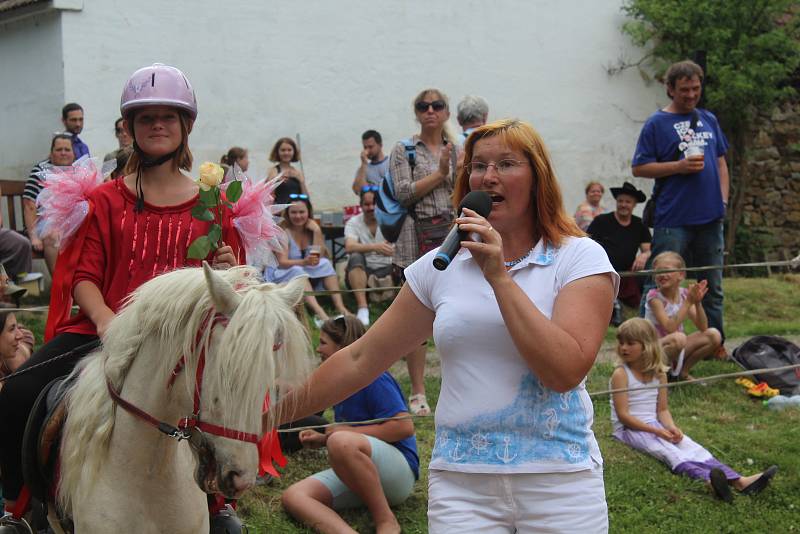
pixel 303 256
pixel 374 466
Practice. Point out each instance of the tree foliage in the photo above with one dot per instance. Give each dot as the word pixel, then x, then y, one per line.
pixel 752 50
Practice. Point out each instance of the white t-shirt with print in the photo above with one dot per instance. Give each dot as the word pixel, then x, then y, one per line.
pixel 357 229
pixel 493 414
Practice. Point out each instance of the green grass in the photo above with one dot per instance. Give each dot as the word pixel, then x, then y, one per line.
pixel 643 496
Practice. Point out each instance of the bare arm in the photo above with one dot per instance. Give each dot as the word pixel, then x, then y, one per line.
pixel 88 297
pixel 354 245
pixel 388 431
pixel 660 169
pixel 30 217
pixel 641 259
pixel 724 179
pixel 670 323
pixel 402 328
pixel 663 414
pixel 560 351
pixel 361 174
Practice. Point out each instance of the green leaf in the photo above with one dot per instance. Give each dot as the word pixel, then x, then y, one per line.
pixel 199 248
pixel 234 191
pixel 202 213
pixel 208 198
pixel 214 235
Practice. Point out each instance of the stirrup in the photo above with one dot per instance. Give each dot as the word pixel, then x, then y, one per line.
pixel 226 521
pixel 11 525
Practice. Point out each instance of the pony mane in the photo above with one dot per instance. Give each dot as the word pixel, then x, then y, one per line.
pixel 169 311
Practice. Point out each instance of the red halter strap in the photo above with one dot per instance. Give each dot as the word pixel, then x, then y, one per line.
pixel 187 424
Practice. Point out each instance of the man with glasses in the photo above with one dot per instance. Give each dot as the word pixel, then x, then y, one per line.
pixel 72 118
pixel 374 163
pixel 370 254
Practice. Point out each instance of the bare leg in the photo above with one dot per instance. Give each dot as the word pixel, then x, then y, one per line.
pixel 332 284
pixel 673 344
pixel 310 501
pixel 357 278
pixel 350 457
pixel 50 253
pixel 742 482
pixel 700 345
pixel 416 371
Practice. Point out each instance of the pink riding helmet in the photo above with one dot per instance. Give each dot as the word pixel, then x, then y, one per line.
pixel 158 85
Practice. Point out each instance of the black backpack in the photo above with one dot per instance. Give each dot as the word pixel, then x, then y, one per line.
pixel 760 352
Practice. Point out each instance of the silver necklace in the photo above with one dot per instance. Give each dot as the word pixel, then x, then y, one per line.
pixel 516 261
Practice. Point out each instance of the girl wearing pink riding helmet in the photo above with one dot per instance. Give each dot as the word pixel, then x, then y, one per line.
pixel 138 226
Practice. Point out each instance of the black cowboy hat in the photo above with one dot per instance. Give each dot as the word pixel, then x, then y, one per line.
pixel 628 189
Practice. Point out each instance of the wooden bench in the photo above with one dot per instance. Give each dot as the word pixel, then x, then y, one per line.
pixel 11 195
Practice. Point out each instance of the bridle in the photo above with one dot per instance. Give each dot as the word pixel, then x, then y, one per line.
pixel 192 425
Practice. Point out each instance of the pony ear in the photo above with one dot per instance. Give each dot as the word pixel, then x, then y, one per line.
pixel 292 292
pixel 225 298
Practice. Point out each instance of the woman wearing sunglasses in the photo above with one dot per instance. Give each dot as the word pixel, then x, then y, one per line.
pixel 302 257
pixel 283 154
pixel 425 188
pixel 518 318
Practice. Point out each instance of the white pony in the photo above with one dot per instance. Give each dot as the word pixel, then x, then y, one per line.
pixel 119 474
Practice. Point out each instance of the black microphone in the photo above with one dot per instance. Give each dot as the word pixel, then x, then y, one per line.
pixel 479 202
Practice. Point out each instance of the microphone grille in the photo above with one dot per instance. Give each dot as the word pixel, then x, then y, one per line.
pixel 478 201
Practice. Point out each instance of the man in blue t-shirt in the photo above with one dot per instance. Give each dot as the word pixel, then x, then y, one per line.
pixel 683 148
pixel 72 118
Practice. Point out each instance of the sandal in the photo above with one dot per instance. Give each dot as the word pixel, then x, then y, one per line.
pixel 418 404
pixel 761 482
pixel 719 483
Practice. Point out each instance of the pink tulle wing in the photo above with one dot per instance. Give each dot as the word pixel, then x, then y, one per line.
pixel 253 217
pixel 64 200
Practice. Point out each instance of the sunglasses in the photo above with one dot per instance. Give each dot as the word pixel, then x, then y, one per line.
pixel 437 105
pixel 295 196
pixel 365 188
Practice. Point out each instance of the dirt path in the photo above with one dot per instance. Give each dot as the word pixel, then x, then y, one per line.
pixel 607 354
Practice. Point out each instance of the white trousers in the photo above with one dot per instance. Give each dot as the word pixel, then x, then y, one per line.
pixel 519 503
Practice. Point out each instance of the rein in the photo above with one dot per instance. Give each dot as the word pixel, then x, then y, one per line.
pixel 187 425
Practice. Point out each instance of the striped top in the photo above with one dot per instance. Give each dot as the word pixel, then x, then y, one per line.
pixel 35 183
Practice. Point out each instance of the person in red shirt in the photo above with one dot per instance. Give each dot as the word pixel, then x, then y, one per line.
pixel 139 226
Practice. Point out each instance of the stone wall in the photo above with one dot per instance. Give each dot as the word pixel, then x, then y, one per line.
pixel 771 214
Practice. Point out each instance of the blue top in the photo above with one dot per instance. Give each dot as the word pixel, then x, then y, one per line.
pixel 382 398
pixel 79 148
pixel 377 171
pixel 684 199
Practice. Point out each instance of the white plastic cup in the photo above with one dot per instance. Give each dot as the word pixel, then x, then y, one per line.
pixel 694 150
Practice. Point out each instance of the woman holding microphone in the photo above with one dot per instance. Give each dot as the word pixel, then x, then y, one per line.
pixel 518 319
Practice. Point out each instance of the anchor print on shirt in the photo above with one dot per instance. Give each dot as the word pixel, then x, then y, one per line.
pixel 538 425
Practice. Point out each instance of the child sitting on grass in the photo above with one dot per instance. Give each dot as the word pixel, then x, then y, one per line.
pixel 372 466
pixel 668 305
pixel 642 419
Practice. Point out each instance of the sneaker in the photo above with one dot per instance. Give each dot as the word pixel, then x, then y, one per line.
pixel 363 316
pixel 24 278
pixel 14 291
pixel 226 521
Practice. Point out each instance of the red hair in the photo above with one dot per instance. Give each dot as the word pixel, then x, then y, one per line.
pixel 551 222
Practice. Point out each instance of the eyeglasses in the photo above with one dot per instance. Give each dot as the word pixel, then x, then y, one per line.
pixel 371 187
pixel 503 167
pixel 437 105
pixel 295 196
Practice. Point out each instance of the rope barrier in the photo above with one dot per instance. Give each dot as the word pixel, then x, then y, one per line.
pixel 703 380
pixel 793 263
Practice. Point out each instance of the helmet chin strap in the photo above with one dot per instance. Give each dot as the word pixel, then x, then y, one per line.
pixel 147 163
